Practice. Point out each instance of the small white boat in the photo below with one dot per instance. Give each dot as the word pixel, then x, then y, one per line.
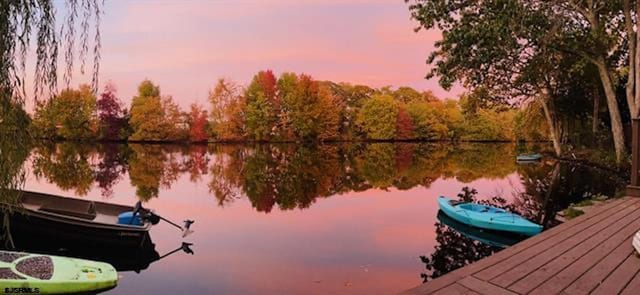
pixel 636 242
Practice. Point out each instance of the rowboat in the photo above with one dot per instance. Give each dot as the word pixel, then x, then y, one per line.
pixel 487 237
pixel 487 217
pixel 529 157
pixel 22 272
pixel 68 219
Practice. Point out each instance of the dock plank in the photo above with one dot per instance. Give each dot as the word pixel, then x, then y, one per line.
pixel 617 281
pixel 456 289
pixel 549 240
pixel 633 287
pixel 535 257
pixel 483 287
pixel 591 253
pixel 605 241
pixel 594 276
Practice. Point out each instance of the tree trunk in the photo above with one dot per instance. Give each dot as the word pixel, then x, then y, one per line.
pixel 614 110
pixel 631 74
pixel 550 115
pixel 637 66
pixel 596 111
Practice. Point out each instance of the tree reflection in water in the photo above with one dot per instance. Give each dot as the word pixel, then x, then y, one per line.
pixel 14 151
pixel 548 188
pixel 293 176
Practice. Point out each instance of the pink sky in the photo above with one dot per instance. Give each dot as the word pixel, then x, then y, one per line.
pixel 185 46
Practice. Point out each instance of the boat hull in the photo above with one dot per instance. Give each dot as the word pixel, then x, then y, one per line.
pixel 87 222
pixel 529 158
pixel 503 221
pixel 487 237
pixel 64 233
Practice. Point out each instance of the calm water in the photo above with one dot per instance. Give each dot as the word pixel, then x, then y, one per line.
pixel 286 219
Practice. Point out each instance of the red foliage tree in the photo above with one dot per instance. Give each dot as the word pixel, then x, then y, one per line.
pixel 110 113
pixel 268 83
pixel 198 124
pixel 404 125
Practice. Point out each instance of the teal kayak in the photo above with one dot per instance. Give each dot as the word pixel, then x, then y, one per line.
pixel 487 237
pixel 529 157
pixel 46 274
pixel 488 217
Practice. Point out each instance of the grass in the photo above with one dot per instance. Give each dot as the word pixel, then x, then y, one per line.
pixel 571 213
pixel 584 203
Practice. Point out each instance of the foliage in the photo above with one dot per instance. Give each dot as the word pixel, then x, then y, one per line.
pixel 429 124
pixel 404 124
pixel 113 121
pixel 228 121
pixel 66 165
pixel 155 118
pixel 263 107
pixel 69 115
pixel 490 125
pixel 310 109
pixel 571 213
pixel 298 108
pixel 377 117
pixel 198 124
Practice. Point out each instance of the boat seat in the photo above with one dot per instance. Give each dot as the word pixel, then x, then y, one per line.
pixel 453 203
pixel 84 210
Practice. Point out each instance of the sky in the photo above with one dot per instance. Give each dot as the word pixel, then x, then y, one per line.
pixel 186 45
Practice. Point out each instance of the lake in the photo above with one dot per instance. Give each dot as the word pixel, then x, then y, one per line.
pixel 324 219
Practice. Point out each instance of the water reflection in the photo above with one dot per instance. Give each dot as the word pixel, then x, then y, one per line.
pixel 287 176
pixel 547 188
pixel 353 206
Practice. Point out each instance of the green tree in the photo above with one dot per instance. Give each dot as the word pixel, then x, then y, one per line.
pixel 468 52
pixel 429 123
pixel 69 115
pixel 377 117
pixel 263 107
pixel 155 118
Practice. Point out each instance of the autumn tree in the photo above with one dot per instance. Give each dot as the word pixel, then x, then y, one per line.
pixel 350 99
pixel 155 118
pixel 198 124
pixel 111 114
pixel 69 115
pixel 263 107
pixel 404 124
pixel 228 111
pixel 377 117
pixel 429 124
pixel 147 114
pixel 175 120
pixel 308 108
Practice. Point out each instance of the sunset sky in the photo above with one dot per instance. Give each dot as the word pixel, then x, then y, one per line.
pixel 184 46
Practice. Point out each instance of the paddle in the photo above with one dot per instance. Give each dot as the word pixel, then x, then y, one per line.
pixel 155 218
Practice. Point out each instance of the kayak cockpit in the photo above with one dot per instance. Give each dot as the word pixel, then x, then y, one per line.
pixel 480 208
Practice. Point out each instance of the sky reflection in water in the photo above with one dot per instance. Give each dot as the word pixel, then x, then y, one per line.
pixel 291 219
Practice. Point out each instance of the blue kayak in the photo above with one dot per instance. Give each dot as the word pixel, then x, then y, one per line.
pixel 529 157
pixel 488 217
pixel 487 237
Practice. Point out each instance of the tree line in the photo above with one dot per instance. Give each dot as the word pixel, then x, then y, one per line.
pixel 291 107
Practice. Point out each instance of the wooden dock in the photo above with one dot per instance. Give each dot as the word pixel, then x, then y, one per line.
pixel 591 254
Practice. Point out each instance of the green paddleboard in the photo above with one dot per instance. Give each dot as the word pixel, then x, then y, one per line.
pixel 25 273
